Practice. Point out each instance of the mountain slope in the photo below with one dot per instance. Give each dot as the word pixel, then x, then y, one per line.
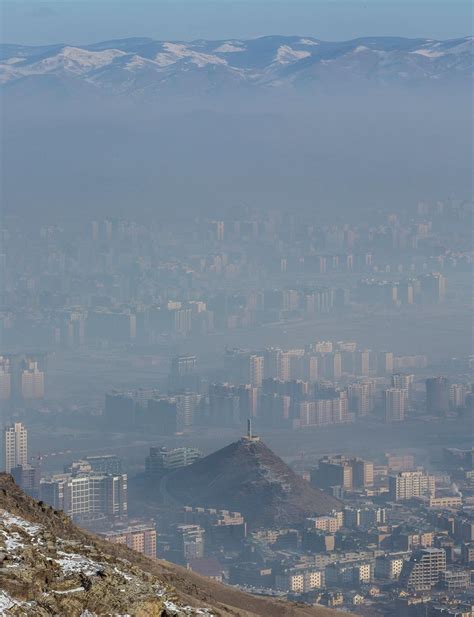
pixel 248 477
pixel 145 68
pixel 49 566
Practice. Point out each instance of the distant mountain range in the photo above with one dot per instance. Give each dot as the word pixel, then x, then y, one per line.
pixel 145 68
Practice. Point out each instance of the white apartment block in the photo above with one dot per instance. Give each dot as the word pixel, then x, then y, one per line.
pixel 408 484
pixel 300 580
pixel 15 446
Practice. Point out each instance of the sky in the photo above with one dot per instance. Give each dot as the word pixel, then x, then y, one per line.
pixel 85 21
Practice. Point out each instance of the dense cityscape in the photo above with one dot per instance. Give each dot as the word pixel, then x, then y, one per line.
pixel 236 301
pixel 252 331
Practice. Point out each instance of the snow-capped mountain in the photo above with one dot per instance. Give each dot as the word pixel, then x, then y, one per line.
pixel 144 67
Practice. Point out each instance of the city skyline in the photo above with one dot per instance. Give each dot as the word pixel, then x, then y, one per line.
pixel 236 370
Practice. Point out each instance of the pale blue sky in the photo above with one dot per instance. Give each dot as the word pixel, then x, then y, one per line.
pixel 85 21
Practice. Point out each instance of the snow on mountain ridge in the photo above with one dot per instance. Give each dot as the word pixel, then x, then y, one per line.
pixel 275 61
pixel 73 60
pixel 77 60
pixel 428 53
pixel 286 54
pixel 178 51
pixel 137 62
pixel 227 48
pixel 308 42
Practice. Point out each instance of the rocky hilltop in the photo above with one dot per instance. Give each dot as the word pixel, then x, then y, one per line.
pixel 48 566
pixel 248 477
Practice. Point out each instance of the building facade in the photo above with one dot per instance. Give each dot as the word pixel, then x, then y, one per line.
pixel 408 484
pixel 422 571
pixel 140 538
pixel 15 444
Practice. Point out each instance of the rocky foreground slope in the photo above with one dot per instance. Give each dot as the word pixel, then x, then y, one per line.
pixel 48 566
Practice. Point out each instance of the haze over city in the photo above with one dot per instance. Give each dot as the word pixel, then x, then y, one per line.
pixel 236 311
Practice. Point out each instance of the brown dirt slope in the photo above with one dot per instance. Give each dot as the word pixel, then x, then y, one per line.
pixel 100 592
pixel 248 477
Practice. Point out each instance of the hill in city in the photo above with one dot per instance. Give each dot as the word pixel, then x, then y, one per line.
pixel 246 476
pixel 48 566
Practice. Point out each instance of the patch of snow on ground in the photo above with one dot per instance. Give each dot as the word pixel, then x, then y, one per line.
pixel 61 593
pixel 182 610
pixel 308 42
pixel 9 520
pixel 127 577
pixel 7 602
pixel 72 563
pixel 12 541
pixel 185 610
